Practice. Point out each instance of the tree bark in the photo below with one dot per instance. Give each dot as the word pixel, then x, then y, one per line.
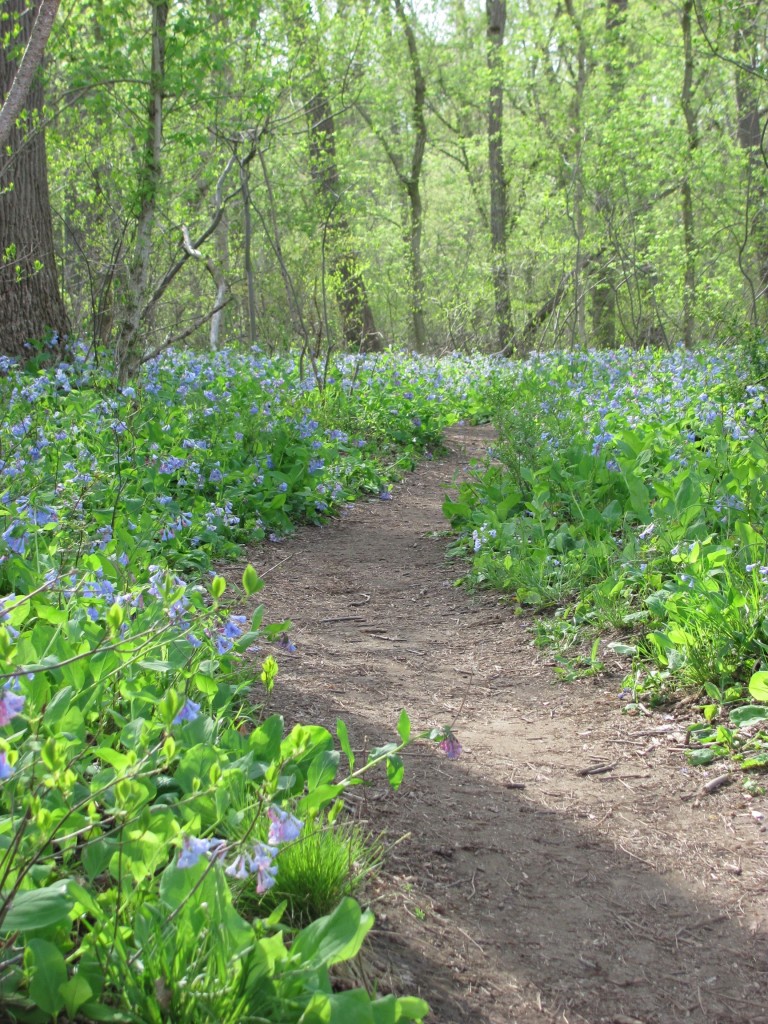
pixel 350 289
pixel 412 180
pixel 128 343
pixel 686 192
pixel 31 304
pixel 749 79
pixel 14 99
pixel 604 275
pixel 579 334
pixel 496 12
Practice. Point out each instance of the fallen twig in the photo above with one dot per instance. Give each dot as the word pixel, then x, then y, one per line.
pixel 597 769
pixel 343 618
pixel 715 784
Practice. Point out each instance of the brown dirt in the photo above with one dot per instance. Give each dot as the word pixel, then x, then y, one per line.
pixel 525 890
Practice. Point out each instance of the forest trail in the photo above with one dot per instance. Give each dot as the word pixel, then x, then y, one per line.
pixel 525 890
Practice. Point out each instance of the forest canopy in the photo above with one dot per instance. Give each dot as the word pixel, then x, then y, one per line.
pixel 442 175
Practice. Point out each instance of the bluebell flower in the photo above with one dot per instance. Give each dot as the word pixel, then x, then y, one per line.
pixel 238 868
pixel 193 849
pixel 6 770
pixel 189 712
pixel 223 644
pixel 11 701
pixel 232 626
pixel 284 827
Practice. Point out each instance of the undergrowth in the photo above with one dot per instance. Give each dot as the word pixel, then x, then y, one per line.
pixel 628 493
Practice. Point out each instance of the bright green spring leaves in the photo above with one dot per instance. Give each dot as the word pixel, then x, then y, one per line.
pixel 629 490
pixel 124 725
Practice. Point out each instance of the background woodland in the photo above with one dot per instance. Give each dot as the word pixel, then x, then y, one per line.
pixel 440 175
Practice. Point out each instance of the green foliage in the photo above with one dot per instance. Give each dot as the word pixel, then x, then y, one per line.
pixel 628 491
pixel 329 860
pixel 138 788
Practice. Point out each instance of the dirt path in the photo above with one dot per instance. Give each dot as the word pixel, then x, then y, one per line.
pixel 526 891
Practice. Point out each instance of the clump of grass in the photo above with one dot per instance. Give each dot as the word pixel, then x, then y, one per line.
pixel 315 872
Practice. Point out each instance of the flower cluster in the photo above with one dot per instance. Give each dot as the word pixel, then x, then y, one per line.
pixel 257 859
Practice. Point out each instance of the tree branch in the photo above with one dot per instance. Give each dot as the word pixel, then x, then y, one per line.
pixel 30 62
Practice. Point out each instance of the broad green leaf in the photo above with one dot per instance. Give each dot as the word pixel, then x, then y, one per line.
pixel 335 938
pixel 49 974
pixel 252 582
pixel 411 1008
pixel 758 685
pixel 323 769
pixel 748 714
pixel 75 992
pixel 34 909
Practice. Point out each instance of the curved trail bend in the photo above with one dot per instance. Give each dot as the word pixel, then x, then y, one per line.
pixel 525 891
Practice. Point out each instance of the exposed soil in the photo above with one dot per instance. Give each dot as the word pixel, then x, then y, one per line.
pixel 525 890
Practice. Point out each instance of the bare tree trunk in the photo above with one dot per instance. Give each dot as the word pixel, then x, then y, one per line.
pixel 245 191
pixel 496 12
pixel 686 194
pixel 413 178
pixel 350 289
pixel 30 301
pixel 128 345
pixel 579 332
pixel 604 275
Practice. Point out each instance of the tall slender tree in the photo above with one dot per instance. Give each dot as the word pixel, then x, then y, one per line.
pixel 496 13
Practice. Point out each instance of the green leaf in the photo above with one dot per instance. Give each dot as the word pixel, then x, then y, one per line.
pixel 411 1008
pixel 75 992
pixel 319 799
pixel 49 974
pixel 758 685
pixel 218 586
pixel 395 770
pixel 154 665
pixel 705 756
pixel 404 726
pixel 323 769
pixel 619 648
pixel 115 620
pixel 335 938
pixel 343 735
pixel 384 751
pixel 34 909
pixel 748 714
pixel 252 582
pixel 351 1007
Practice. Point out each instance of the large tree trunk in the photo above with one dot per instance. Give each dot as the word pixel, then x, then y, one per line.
pixel 32 307
pixel 496 11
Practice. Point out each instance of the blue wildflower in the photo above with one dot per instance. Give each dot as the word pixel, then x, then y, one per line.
pixel 189 712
